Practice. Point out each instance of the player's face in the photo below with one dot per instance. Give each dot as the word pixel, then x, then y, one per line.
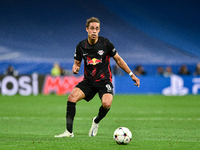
pixel 93 30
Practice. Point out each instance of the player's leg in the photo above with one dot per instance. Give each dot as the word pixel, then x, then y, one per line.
pixel 103 110
pixel 83 90
pixel 76 95
pixel 106 96
pixel 106 104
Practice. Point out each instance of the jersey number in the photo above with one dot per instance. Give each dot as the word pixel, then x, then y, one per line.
pixel 108 87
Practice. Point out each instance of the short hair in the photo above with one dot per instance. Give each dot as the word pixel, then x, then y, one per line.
pixel 93 19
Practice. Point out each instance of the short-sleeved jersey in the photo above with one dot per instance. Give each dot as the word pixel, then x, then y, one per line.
pixel 96 59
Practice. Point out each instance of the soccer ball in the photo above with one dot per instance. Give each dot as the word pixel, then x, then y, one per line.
pixel 122 135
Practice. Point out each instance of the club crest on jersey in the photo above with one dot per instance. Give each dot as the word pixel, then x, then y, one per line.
pixel 100 52
pixel 94 61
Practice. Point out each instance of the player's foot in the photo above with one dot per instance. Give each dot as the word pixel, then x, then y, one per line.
pixel 94 128
pixel 65 134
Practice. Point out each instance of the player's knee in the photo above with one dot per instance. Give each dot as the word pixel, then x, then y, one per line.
pixel 106 105
pixel 72 98
pixel 76 95
pixel 107 101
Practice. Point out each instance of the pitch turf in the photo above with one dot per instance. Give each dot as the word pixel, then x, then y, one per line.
pixel 156 122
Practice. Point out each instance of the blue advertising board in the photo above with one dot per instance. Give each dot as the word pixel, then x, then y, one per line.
pixel 173 85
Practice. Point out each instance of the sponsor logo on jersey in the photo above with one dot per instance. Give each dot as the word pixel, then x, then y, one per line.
pixel 94 61
pixel 100 52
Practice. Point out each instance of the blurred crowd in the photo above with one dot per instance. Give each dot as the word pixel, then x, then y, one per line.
pixel 57 70
pixel 160 71
pixel 11 71
pixel 139 70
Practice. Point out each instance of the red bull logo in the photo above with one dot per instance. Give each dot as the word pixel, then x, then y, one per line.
pixel 94 61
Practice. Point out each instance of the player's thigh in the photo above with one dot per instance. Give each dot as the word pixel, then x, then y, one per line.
pixel 88 89
pixel 107 100
pixel 76 95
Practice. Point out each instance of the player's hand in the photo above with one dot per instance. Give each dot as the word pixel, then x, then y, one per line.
pixel 75 69
pixel 136 80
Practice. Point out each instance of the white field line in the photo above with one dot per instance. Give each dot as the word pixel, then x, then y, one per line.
pixel 78 118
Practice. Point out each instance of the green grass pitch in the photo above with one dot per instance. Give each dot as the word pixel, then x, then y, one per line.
pixel 157 122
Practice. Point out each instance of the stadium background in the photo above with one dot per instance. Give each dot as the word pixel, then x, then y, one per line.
pixel 35 34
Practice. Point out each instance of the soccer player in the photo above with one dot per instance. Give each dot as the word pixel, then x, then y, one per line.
pixel 96 52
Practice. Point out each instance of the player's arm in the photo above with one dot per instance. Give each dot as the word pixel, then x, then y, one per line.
pixel 125 67
pixel 76 66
